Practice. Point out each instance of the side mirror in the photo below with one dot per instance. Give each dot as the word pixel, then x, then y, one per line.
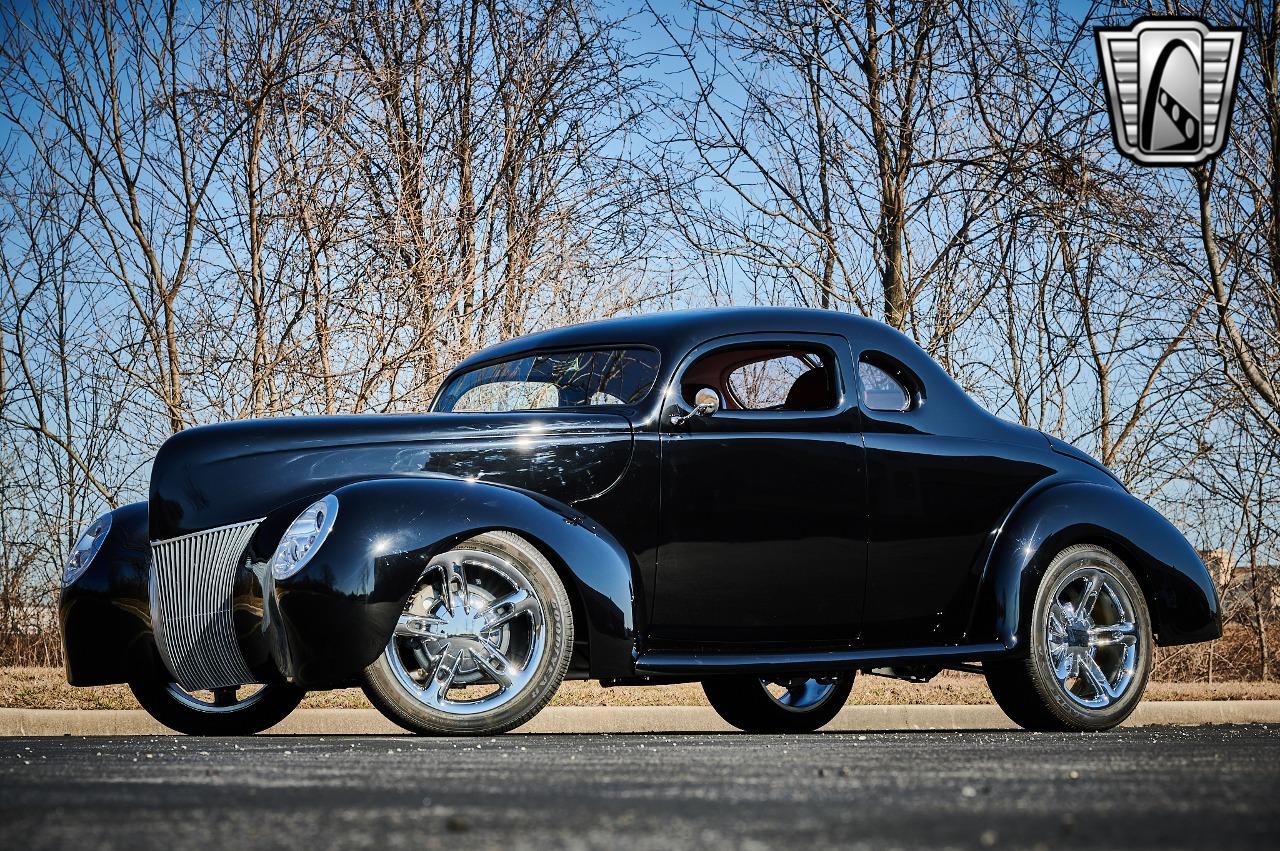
pixel 705 403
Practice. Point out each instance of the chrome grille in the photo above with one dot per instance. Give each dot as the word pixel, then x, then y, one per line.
pixel 192 588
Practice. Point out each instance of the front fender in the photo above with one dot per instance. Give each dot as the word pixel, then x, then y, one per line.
pixel 334 617
pixel 105 615
pixel 1179 591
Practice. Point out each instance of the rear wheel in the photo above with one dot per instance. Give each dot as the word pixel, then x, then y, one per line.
pixel 1090 647
pixel 234 711
pixel 482 645
pixel 795 705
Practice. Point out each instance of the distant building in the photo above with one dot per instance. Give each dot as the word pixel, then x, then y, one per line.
pixel 1238 579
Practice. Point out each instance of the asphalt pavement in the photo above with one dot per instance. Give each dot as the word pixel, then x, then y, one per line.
pixel 1153 787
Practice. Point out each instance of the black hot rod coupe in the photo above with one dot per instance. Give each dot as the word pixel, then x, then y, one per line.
pixel 763 500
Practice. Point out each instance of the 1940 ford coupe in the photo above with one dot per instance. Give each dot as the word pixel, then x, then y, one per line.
pixel 763 500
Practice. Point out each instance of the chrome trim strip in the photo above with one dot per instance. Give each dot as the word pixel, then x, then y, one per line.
pixel 209 531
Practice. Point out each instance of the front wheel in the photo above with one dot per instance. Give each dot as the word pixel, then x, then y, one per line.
pixel 234 711
pixel 1089 647
pixel 482 645
pixel 796 705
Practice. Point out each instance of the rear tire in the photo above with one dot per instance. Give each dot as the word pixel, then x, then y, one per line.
pixel 200 714
pixel 1089 645
pixel 445 649
pixel 799 705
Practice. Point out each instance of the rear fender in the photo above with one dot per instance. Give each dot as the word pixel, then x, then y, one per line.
pixel 333 618
pixel 1178 589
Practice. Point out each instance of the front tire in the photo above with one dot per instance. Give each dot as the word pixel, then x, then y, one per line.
pixel 483 643
pixel 233 711
pixel 1090 648
pixel 796 705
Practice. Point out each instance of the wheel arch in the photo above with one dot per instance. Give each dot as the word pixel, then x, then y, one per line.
pixel 385 533
pixel 580 665
pixel 1179 592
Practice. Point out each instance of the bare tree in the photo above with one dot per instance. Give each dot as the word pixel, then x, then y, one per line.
pixel 1238 217
pixel 261 208
pixel 833 152
pixel 265 207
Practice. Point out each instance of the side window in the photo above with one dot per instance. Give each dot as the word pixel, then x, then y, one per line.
pixel 508 396
pixel 765 384
pixel 553 380
pixel 880 390
pixel 766 378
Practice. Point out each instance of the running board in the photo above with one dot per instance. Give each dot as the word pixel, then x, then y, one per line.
pixel 684 663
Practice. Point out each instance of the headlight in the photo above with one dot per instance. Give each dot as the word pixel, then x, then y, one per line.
pixel 303 537
pixel 85 549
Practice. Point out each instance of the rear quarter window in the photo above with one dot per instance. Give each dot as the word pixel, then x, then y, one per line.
pixel 881 391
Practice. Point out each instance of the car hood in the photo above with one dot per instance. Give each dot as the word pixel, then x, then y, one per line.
pixel 222 474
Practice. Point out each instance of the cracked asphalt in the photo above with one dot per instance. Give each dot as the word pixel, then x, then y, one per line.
pixel 1183 787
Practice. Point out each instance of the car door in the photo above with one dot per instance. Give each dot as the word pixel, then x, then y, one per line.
pixel 763 517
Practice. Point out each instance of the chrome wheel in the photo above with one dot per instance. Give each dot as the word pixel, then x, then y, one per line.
pixel 471 637
pixel 1090 647
pixel 800 694
pixel 1092 638
pixel 218 700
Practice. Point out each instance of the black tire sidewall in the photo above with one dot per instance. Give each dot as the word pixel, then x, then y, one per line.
pixel 390 698
pixel 277 701
pixel 743 702
pixel 1043 679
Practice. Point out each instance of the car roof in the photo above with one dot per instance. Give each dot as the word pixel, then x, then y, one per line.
pixel 674 332
pixel 950 409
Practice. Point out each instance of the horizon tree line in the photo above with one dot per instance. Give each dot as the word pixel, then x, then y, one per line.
pixel 245 208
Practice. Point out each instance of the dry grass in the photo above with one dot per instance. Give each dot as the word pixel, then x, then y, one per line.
pixel 46 688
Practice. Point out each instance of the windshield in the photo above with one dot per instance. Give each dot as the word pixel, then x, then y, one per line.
pixel 554 380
